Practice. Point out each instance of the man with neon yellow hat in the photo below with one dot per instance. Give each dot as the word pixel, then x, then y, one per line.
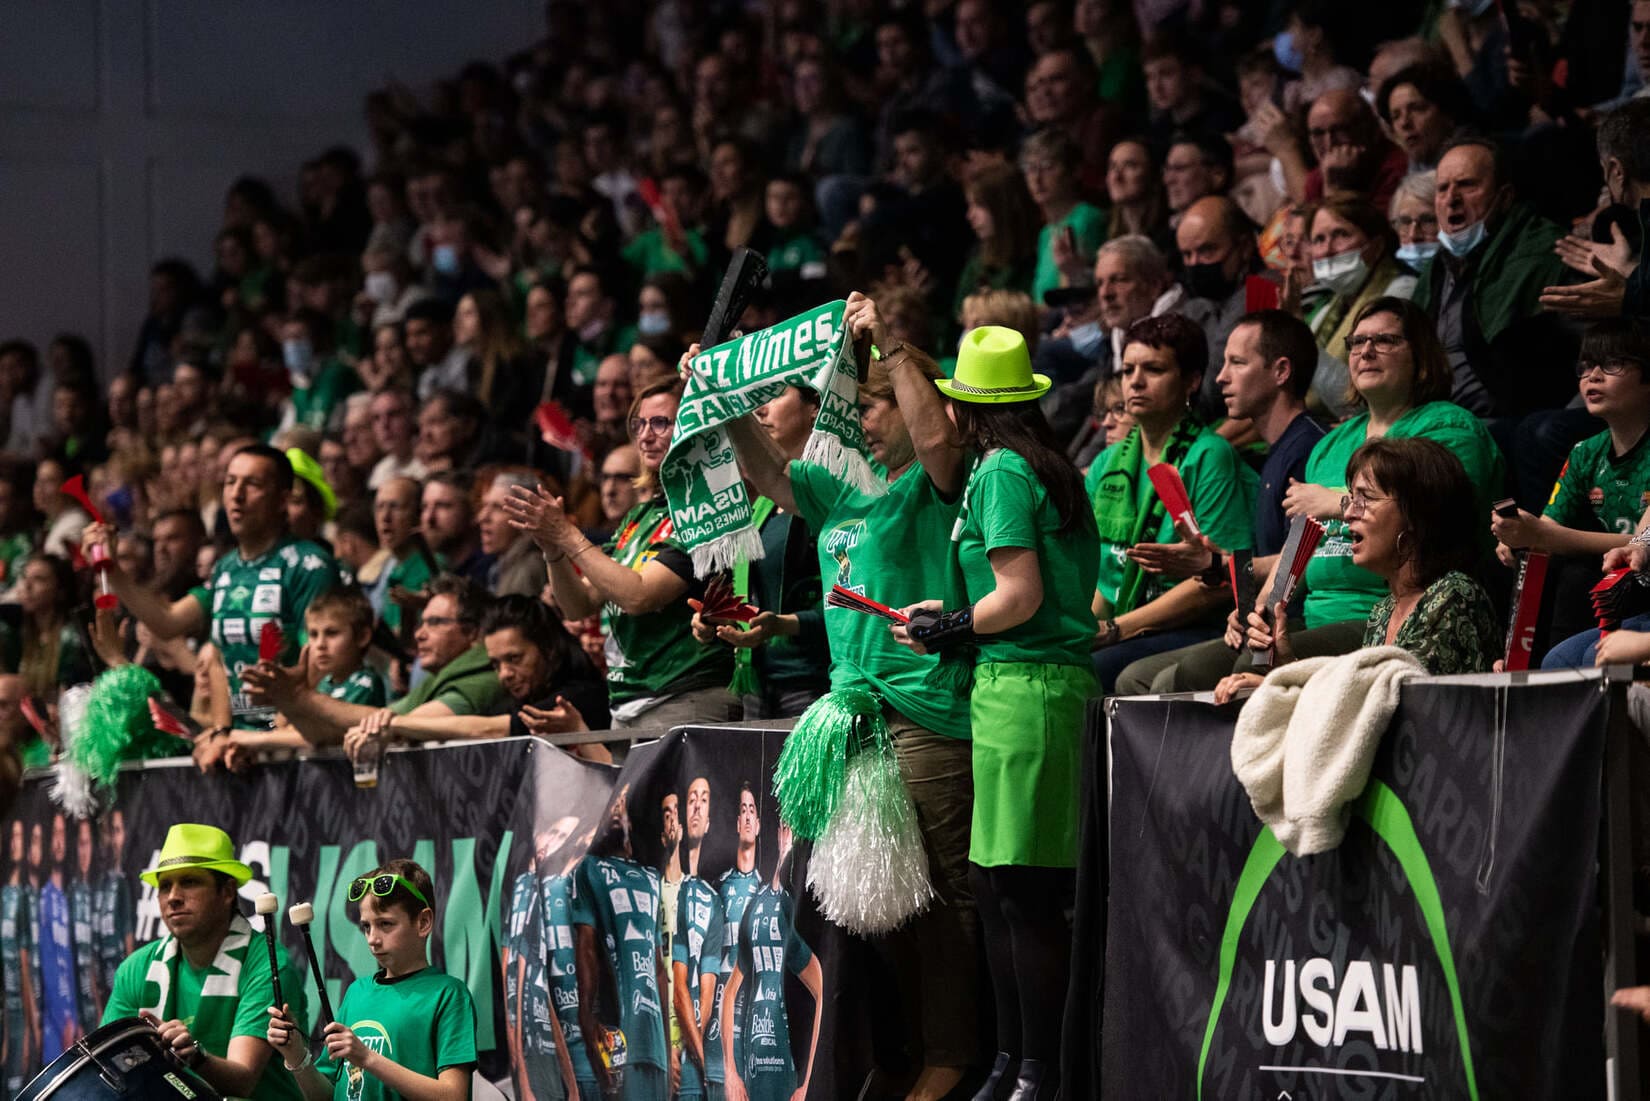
pixel 206 984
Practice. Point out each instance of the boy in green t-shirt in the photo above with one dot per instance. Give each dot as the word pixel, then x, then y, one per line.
pixel 338 624
pixel 406 1030
pixel 1605 483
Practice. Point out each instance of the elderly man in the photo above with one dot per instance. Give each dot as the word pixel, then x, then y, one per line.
pixel 395 430
pixel 1353 156
pixel 1217 249
pixel 1511 360
pixel 459 680
pixel 213 1009
pixel 1060 91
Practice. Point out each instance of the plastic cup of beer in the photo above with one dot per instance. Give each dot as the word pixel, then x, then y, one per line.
pixel 367 759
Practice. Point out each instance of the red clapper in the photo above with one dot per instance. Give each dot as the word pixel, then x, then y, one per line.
pixel 1304 536
pixel 169 718
pixel 75 488
pixel 721 606
pixel 556 426
pixel 269 642
pixel 1172 492
pixel 1607 595
pixel 839 597
pixel 1532 579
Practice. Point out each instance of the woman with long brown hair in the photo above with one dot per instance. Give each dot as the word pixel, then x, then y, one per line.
pixel 1005 223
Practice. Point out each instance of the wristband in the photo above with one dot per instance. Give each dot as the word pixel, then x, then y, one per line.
pixel 197 1056
pixel 1214 574
pixel 1110 633
pixel 309 1059
pixel 937 630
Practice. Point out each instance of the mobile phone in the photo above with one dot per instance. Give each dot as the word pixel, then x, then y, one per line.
pixel 1506 508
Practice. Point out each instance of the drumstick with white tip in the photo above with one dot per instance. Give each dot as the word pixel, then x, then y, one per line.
pixel 301 915
pixel 266 905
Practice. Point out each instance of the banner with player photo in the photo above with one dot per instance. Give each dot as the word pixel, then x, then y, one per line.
pixel 691 897
pixel 1450 947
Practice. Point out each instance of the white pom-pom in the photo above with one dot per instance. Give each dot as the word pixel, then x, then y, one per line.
pixel 301 914
pixel 71 712
pixel 72 790
pixel 266 904
pixel 868 870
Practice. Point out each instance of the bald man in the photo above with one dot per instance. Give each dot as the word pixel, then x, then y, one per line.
pixel 1354 157
pixel 1217 251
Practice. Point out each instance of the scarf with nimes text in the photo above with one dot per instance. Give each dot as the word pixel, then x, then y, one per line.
pixel 1116 514
pixel 709 508
pixel 214 1017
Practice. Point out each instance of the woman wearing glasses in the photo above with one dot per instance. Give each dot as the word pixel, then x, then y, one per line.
pixel 1410 521
pixel 1401 381
pixel 657 673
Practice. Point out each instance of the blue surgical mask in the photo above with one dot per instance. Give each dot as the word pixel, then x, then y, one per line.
pixel 1288 52
pixel 445 259
pixel 653 323
pixel 1462 243
pixel 1085 339
pixel 1413 256
pixel 298 355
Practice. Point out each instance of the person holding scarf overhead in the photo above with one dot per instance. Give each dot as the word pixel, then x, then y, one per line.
pixel 1026 545
pixel 657 674
pixel 881 546
pixel 1140 613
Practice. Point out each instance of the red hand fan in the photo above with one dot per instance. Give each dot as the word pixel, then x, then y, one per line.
pixel 1172 492
pixel 269 641
pixel 1604 600
pixel 839 597
pixel 556 426
pixel 1532 579
pixel 721 606
pixel 170 719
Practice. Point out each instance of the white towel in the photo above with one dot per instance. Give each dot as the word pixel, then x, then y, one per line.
pixel 1305 740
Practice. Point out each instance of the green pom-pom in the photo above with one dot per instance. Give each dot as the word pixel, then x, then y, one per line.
pixel 117 726
pixel 810 775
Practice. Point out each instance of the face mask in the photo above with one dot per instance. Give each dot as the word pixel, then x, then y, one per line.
pixel 1287 52
pixel 1462 243
pixel 653 323
pixel 445 259
pixel 1208 281
pixel 298 355
pixel 1085 339
pixel 380 287
pixel 1343 272
pixel 1417 254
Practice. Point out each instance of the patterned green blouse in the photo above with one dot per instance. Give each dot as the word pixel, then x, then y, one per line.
pixel 1453 628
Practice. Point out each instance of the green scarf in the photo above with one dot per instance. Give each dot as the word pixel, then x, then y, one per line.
pixel 1115 513
pixel 709 507
pixel 744 676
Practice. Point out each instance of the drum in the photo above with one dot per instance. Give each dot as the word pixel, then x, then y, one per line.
pixel 125 1060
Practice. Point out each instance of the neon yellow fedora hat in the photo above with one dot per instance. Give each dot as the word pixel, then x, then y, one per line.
pixel 191 845
pixel 993 366
pixel 310 471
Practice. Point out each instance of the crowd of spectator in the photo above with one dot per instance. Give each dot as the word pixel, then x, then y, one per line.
pixel 414 414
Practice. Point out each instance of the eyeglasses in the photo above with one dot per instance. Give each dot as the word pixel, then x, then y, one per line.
pixel 1612 367
pixel 659 426
pixel 1383 342
pixel 440 621
pixel 1358 501
pixel 381 886
pixel 1404 222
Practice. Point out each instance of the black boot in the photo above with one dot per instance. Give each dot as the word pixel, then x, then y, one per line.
pixel 1001 1071
pixel 1036 1082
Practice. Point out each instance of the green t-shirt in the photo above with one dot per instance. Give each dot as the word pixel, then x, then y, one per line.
pixel 800 252
pixel 365 686
pixel 467 685
pixel 425 1022
pixel 769 946
pixel 1599 490
pixel 1004 505
pixel 648 255
pixel 655 654
pixel 14 549
pixel 698 947
pixel 1222 490
pixel 312 405
pixel 276 586
pixel 588 357
pixel 226 999
pixel 1088 223
pixel 883 548
pixel 1336 590
pixel 620 899
pixel 411 573
pixel 36 752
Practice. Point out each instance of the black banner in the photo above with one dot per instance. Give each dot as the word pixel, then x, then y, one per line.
pixel 1449 948
pixel 542 863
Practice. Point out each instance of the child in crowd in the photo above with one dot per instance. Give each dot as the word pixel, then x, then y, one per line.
pixel 407 1009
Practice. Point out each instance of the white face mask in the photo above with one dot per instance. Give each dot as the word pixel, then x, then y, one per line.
pixel 380 287
pixel 1344 273
pixel 1417 254
pixel 1462 243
